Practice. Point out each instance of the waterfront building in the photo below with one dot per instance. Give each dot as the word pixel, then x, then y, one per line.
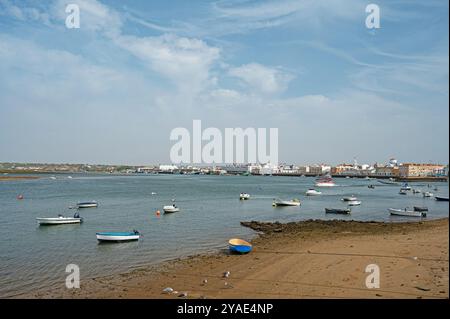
pixel 408 170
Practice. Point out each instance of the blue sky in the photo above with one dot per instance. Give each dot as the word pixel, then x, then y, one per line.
pixel 111 91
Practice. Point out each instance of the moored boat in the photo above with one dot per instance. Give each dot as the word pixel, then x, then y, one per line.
pixel 279 202
pixel 349 198
pixel 342 211
pixel 428 194
pixel 240 246
pixel 171 209
pixel 406 212
pixel 441 198
pixel 118 236
pixel 354 203
pixel 91 204
pixel 312 192
pixel 244 196
pixel 403 192
pixel 60 220
pixel 420 209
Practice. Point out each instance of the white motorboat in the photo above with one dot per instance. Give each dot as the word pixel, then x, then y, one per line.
pixel 244 196
pixel 354 203
pixel 279 202
pixel 407 213
pixel 349 198
pixel 312 192
pixel 428 194
pixel 403 192
pixel 118 236
pixel 325 181
pixel 171 209
pixel 90 204
pixel 60 220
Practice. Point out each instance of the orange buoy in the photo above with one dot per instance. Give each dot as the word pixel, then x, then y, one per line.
pixel 158 213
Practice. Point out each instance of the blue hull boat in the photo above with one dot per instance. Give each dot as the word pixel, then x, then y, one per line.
pixel 239 246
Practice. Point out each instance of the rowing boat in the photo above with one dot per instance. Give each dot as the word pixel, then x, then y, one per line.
pixel 240 246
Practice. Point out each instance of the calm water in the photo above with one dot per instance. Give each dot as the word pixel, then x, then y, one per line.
pixel 35 257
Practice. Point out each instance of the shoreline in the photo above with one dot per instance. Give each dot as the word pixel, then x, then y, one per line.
pixel 306 259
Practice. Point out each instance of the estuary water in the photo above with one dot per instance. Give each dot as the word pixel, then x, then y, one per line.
pixel 33 256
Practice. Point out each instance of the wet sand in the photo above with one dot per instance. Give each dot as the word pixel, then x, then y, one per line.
pixel 310 259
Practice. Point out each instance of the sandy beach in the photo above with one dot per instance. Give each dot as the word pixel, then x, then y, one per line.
pixel 310 259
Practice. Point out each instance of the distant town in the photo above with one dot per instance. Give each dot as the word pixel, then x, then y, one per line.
pixel 392 169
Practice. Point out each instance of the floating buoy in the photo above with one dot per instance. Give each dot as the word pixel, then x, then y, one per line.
pixel 20 196
pixel 158 213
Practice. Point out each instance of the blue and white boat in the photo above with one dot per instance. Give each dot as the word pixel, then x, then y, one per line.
pixel 240 246
pixel 90 204
pixel 118 236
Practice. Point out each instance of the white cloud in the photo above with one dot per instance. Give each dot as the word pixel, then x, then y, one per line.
pixel 262 79
pixel 23 13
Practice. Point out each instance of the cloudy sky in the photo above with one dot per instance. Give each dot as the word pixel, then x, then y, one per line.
pixel 112 90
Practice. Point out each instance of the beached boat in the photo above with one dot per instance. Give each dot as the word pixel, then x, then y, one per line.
pixel 171 209
pixel 343 211
pixel 349 198
pixel 60 220
pixel 118 236
pixel 312 192
pixel 244 196
pixel 441 198
pixel 420 208
pixel 406 212
pixel 354 203
pixel 91 204
pixel 240 246
pixel 428 194
pixel 279 202
pixel 325 181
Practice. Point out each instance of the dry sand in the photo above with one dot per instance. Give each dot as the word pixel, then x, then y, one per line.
pixel 311 259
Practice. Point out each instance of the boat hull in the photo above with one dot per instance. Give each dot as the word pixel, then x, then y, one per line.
pixel 337 211
pixel 441 199
pixel 239 246
pixel 277 204
pixel 117 237
pixel 325 184
pixel 87 205
pixel 58 220
pixel 406 213
pixel 170 209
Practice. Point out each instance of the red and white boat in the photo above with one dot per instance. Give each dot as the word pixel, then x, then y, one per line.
pixel 325 181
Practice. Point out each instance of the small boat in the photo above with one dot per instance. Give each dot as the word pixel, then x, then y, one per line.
pixel 90 204
pixel 69 177
pixel 416 191
pixel 171 209
pixel 312 192
pixel 441 198
pixel 406 187
pixel 60 220
pixel 371 186
pixel 420 209
pixel 389 182
pixel 349 198
pixel 239 246
pixel 354 203
pixel 428 194
pixel 279 202
pixel 344 211
pixel 118 236
pixel 406 212
pixel 244 196
pixel 20 197
pixel 325 181
pixel 403 192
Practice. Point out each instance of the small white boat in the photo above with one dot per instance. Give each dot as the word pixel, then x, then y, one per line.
pixel 171 209
pixel 407 213
pixel 312 192
pixel 60 220
pixel 354 203
pixel 244 196
pixel 279 202
pixel 90 204
pixel 69 177
pixel 52 177
pixel 325 181
pixel 403 192
pixel 349 198
pixel 428 194
pixel 118 236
